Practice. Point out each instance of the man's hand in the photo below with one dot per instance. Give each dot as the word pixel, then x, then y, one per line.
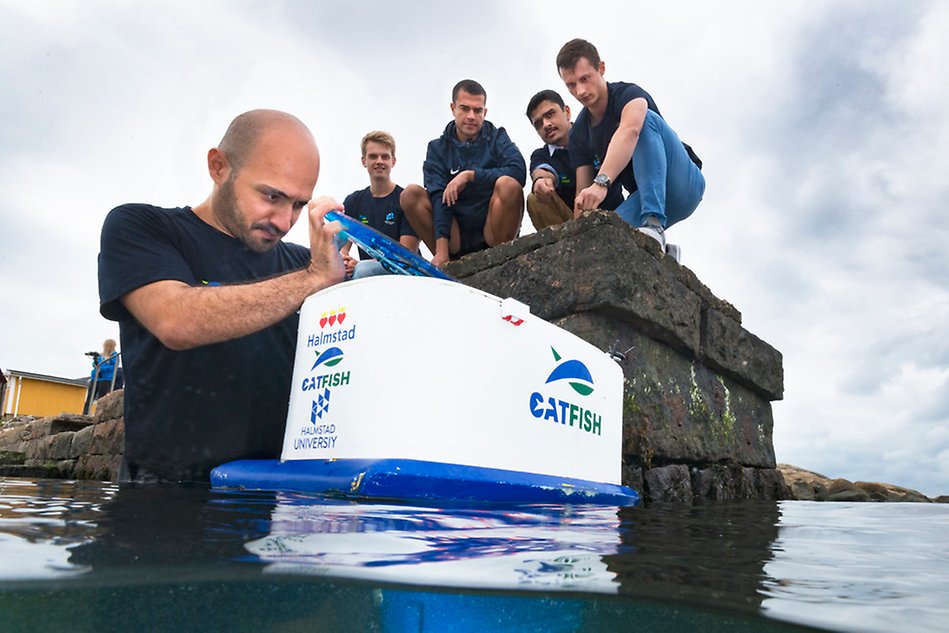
pixel 456 185
pixel 325 260
pixel 588 199
pixel 544 189
pixel 349 263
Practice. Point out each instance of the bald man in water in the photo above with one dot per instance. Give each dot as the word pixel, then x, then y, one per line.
pixel 207 298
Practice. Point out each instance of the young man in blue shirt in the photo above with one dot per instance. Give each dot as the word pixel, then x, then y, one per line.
pixel 378 204
pixel 620 138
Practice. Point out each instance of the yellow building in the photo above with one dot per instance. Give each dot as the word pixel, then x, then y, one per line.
pixel 39 395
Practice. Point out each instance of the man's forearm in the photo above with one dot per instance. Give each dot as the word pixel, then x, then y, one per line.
pixel 183 317
pixel 623 143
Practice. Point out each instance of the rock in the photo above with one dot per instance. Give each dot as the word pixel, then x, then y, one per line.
pixel 677 410
pixel 110 406
pixel 806 485
pixel 108 438
pixel 668 483
pixel 843 490
pixel 889 492
pixel 12 458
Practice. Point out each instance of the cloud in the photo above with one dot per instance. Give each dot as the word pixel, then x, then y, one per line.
pixel 823 126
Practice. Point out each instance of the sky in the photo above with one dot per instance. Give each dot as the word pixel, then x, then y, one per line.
pixel 822 126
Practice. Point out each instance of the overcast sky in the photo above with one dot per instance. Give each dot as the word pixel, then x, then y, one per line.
pixel 824 126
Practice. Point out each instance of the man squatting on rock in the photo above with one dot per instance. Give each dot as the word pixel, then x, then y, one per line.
pixel 207 299
pixel 474 180
pixel 621 139
pixel 378 205
pixel 553 184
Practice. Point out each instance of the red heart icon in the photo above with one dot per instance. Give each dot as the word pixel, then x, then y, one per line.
pixel 332 319
pixel 341 317
pixel 323 322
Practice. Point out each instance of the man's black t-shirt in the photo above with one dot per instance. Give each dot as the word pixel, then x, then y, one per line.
pixel 383 214
pixel 558 163
pixel 188 411
pixel 588 143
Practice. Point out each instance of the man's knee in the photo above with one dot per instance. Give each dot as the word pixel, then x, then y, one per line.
pixel 412 196
pixel 508 187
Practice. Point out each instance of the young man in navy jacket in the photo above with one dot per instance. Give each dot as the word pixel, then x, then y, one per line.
pixel 473 196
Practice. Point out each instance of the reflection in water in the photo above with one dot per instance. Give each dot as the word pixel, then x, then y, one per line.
pixel 531 547
pixel 40 520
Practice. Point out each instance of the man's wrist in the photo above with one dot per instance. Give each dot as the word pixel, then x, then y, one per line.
pixel 603 180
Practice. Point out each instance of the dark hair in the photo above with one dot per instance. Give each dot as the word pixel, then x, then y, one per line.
pixel 540 97
pixel 470 86
pixel 573 51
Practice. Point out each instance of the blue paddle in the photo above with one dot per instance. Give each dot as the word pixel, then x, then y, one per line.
pixel 394 257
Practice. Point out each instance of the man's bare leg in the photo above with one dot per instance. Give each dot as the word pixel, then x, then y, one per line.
pixel 417 208
pixel 505 211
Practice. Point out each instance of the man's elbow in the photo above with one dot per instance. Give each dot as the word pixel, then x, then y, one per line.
pixel 175 332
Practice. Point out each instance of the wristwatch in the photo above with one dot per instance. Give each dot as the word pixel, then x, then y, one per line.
pixel 603 180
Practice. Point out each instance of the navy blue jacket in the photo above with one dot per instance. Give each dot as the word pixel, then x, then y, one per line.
pixel 491 155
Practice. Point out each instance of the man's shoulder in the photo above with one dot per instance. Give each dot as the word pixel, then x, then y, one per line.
pixel 541 153
pixel 142 214
pixel 353 199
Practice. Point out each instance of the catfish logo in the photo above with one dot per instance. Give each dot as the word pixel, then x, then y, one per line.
pixel 330 357
pixel 576 374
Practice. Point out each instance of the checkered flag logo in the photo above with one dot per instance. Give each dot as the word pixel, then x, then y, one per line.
pixel 320 406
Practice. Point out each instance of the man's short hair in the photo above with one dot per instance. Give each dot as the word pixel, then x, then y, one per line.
pixel 378 136
pixel 573 51
pixel 470 86
pixel 540 97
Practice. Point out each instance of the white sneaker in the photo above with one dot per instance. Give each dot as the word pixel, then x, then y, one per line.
pixel 657 233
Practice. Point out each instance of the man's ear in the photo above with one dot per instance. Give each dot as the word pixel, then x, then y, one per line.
pixel 602 67
pixel 218 166
pixel 566 110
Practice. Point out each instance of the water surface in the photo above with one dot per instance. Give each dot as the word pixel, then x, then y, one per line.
pixel 89 556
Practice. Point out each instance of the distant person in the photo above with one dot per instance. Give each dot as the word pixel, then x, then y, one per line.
pixel 619 138
pixel 553 178
pixel 104 367
pixel 207 298
pixel 474 183
pixel 378 204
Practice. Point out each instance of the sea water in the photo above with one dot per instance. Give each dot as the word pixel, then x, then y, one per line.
pixel 85 556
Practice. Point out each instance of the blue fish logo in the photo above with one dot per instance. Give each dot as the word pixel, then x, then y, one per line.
pixel 330 357
pixel 574 372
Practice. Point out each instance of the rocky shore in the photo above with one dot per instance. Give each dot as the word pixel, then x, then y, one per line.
pixel 71 446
